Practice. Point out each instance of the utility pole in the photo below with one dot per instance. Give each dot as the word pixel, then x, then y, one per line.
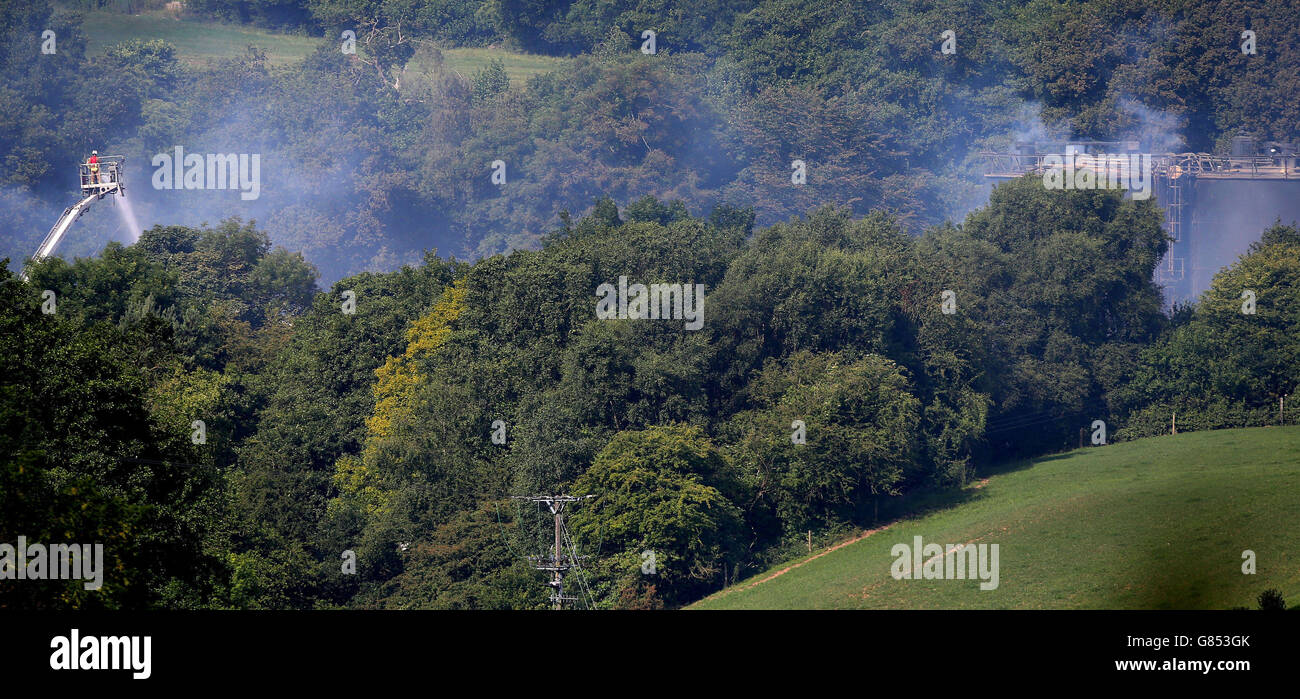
pixel 558 563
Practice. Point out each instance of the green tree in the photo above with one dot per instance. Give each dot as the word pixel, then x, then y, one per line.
pixel 669 491
pixel 829 436
pixel 1223 366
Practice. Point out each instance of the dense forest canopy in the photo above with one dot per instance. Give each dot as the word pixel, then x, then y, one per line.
pixel 252 396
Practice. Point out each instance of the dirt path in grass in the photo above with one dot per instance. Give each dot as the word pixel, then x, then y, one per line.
pixel 838 546
pixel 983 482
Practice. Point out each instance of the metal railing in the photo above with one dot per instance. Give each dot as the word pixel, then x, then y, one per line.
pixel 1170 165
pixel 108 178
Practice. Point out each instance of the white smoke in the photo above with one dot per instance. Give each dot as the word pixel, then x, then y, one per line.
pixel 1159 132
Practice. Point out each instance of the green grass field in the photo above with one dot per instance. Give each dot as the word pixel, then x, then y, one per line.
pixel 1154 524
pixel 201 41
pixel 195 41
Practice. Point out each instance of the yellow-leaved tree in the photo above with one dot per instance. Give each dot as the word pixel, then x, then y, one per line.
pixel 359 483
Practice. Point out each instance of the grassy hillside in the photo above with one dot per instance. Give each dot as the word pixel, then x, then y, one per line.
pixel 1157 523
pixel 199 41
pixel 195 41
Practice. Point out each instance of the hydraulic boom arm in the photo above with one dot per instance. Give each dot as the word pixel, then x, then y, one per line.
pixel 52 238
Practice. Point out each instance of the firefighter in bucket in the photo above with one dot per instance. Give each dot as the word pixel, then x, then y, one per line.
pixel 93 166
